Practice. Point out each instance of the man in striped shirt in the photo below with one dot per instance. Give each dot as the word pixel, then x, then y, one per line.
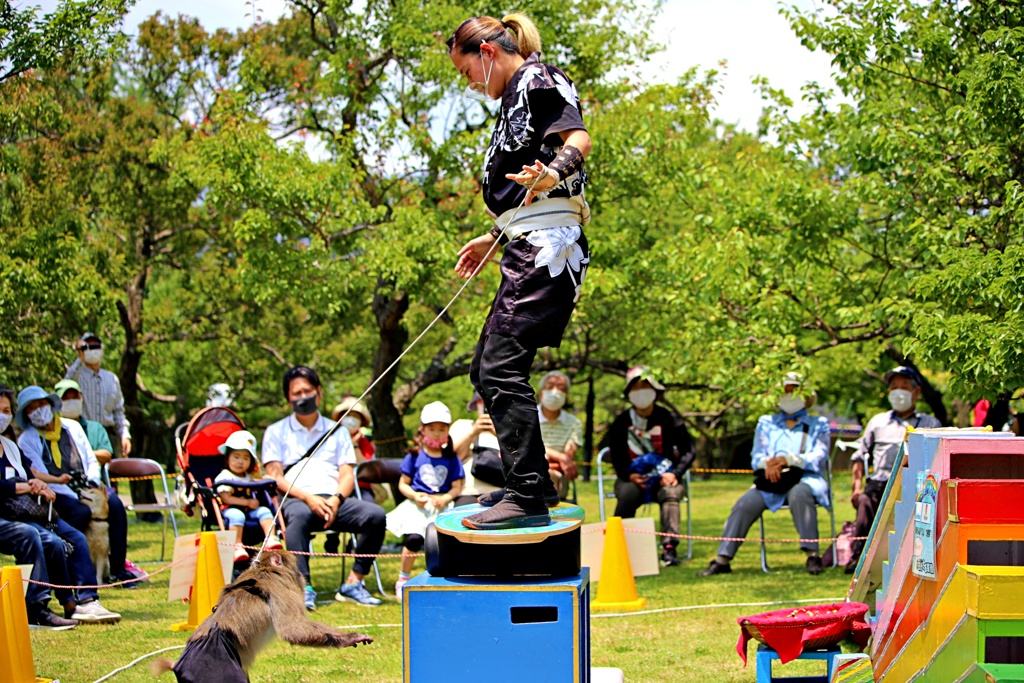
pixel 560 430
pixel 101 389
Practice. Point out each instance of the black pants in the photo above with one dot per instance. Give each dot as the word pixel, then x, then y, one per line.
pixel 355 516
pixel 501 373
pixel 78 515
pixel 867 507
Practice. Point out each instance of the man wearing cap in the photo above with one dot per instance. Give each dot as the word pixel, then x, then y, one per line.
pixel 103 401
pixel 117 517
pixel 55 449
pixel 650 452
pixel 879 446
pixel 321 484
pixel 790 438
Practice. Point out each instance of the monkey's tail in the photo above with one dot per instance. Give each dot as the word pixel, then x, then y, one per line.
pixel 160 666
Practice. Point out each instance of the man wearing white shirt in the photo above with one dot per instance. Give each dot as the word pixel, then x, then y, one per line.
pixel 321 494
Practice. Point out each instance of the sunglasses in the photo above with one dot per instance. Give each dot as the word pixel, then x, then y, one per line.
pixel 92 347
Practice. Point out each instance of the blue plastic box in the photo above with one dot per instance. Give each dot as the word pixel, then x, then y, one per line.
pixel 468 630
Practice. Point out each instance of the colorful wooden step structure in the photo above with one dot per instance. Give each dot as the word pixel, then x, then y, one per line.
pixel 944 565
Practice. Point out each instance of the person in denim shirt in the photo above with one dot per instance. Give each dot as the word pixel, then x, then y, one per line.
pixel 788 438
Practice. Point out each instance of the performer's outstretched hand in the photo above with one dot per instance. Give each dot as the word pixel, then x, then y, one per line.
pixel 474 255
pixel 537 179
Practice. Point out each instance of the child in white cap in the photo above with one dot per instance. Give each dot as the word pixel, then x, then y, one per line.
pixel 431 480
pixel 237 502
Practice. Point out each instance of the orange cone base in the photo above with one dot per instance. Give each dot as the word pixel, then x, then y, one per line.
pixel 628 606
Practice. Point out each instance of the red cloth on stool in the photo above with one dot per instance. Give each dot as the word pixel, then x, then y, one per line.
pixel 789 631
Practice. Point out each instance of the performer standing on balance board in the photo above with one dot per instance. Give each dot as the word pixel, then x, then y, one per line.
pixel 535 159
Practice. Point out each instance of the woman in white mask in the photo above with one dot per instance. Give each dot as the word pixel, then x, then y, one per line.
pixel 355 422
pixel 533 184
pixel 648 437
pixel 72 408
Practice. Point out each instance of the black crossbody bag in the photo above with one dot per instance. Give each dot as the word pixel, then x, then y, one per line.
pixel 791 476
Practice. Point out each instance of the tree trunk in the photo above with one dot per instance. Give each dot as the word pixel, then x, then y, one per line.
pixel 388 430
pixel 131 322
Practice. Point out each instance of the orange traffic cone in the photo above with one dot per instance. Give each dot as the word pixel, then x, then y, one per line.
pixel 617 589
pixel 16 665
pixel 206 585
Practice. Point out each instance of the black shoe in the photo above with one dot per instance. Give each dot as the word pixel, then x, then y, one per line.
pixel 491 499
pixel 507 515
pixel 669 557
pixel 131 579
pixel 716 568
pixel 42 617
pixel 814 565
pixel 851 566
pixel 332 542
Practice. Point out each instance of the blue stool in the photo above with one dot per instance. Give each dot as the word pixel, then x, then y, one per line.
pixel 765 655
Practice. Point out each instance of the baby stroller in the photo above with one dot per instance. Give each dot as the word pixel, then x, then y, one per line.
pixel 200 461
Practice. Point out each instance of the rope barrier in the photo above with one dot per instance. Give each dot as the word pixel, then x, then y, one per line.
pixel 6 583
pixel 729 605
pixel 118 583
pixel 742 540
pixel 145 477
pixel 309 554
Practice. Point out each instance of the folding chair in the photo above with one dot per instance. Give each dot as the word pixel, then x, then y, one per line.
pixel 831 507
pixel 602 496
pixel 120 468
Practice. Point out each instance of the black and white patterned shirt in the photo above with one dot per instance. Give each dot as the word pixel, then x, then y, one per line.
pixel 539 102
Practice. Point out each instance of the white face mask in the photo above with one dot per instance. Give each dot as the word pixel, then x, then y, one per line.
pixel 790 404
pixel 642 398
pixel 40 417
pixel 481 92
pixel 901 400
pixel 552 399
pixel 71 408
pixel 93 356
pixel 5 421
pixel 351 423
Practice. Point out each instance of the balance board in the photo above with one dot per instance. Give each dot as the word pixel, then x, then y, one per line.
pixel 553 550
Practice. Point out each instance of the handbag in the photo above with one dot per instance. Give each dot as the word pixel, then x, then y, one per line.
pixel 791 476
pixel 27 508
pixel 487 466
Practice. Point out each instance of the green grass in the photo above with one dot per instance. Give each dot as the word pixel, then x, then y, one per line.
pixel 696 645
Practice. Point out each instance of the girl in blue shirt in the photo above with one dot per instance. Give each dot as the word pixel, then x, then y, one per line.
pixel 431 480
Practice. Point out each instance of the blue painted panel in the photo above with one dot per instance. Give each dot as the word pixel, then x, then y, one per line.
pixel 463 630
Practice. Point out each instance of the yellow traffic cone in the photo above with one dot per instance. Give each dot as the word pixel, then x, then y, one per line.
pixel 207 584
pixel 617 589
pixel 16 665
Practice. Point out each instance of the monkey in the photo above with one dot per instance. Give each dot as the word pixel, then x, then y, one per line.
pixel 266 599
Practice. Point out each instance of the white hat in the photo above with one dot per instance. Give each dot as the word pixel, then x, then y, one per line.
pixel 793 379
pixel 435 412
pixel 241 440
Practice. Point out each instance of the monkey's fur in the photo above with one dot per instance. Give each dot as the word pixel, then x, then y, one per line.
pixel 266 599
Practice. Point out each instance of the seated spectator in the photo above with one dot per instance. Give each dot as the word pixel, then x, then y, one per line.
pixel 785 443
pixel 323 495
pixel 69 468
pixel 238 503
pixel 879 446
pixel 36 416
pixel 561 431
pixel 650 453
pixel 476 444
pixel 72 407
pixel 355 422
pixel 41 549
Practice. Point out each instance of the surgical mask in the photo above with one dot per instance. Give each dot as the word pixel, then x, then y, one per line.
pixel 5 421
pixel 901 400
pixel 305 406
pixel 552 399
pixel 643 398
pixel 93 356
pixel 351 423
pixel 40 417
pixel 790 404
pixel 481 92
pixel 435 444
pixel 71 408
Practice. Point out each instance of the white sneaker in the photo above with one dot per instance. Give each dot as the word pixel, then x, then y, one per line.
pixel 399 585
pixel 95 613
